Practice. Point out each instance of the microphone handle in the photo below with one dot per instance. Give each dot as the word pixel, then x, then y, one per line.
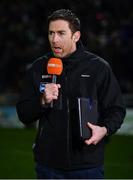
pixel 54 78
pixel 53 81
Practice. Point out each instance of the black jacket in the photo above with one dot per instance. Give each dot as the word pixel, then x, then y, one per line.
pixel 57 145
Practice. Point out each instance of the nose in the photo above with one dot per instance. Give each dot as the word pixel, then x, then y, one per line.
pixel 55 38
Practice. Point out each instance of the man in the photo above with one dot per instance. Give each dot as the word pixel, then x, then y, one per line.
pixel 59 150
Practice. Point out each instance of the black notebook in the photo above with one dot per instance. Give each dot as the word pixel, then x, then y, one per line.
pixel 87 112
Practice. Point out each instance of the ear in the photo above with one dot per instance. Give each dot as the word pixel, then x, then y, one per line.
pixel 76 36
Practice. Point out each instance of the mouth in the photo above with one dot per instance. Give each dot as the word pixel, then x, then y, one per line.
pixel 56 50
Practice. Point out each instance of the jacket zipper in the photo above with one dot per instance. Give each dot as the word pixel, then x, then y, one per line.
pixel 68 130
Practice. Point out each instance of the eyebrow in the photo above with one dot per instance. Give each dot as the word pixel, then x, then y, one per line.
pixel 60 31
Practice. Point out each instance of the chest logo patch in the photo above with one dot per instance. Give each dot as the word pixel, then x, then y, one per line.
pixel 85 75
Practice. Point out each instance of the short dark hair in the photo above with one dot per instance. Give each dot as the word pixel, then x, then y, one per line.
pixel 67 15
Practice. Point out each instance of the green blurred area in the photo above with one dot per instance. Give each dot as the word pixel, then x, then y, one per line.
pixel 119 157
pixel 16 157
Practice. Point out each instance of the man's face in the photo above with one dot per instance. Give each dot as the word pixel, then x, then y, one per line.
pixel 61 38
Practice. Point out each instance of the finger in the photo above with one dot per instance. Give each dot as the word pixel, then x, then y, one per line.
pixel 88 142
pixel 55 93
pixel 55 89
pixel 55 86
pixel 95 142
pixel 54 97
pixel 48 97
pixel 90 125
pixel 58 85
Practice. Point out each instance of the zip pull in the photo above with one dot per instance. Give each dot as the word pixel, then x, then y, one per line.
pixel 90 103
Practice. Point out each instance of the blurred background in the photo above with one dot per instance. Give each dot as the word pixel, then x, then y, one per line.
pixel 107 30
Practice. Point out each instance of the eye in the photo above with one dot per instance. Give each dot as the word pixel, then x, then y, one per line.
pixel 50 33
pixel 62 33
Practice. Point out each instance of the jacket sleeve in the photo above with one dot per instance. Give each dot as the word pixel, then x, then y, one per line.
pixel 29 108
pixel 111 104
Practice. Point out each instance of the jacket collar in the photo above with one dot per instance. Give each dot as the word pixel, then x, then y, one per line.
pixel 74 57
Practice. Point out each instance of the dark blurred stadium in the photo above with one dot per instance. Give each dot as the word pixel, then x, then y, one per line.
pixel 107 30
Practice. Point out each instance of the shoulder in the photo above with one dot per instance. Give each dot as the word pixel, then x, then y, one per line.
pixel 97 61
pixel 39 63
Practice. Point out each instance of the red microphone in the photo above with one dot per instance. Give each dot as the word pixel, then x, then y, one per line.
pixel 54 67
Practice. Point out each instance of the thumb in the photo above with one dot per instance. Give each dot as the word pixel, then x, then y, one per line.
pixel 90 125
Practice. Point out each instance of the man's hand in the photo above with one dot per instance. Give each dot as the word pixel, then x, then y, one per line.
pixel 97 134
pixel 51 92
